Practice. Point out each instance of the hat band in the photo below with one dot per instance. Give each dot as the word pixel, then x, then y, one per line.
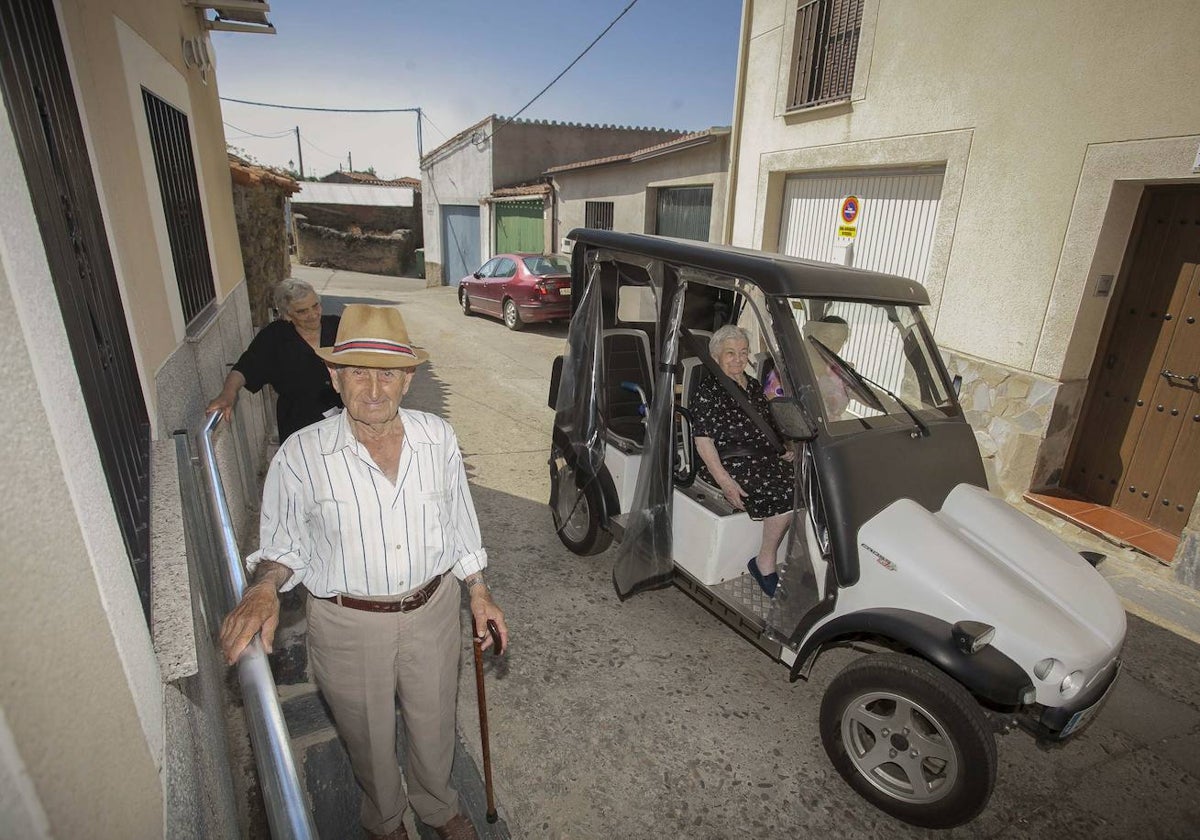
pixel 373 345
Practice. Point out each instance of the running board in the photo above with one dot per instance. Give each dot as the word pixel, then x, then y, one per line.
pixel 727 603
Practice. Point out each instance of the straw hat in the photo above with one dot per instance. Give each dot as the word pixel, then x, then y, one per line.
pixel 372 336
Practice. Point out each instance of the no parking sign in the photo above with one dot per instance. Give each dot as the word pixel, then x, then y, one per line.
pixel 849 210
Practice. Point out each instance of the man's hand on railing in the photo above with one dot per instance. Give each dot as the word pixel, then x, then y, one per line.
pixel 257 611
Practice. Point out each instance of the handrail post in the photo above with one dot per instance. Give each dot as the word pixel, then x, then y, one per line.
pixel 288 809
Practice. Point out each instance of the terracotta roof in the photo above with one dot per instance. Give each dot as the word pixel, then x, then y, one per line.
pixel 251 175
pixel 696 138
pixel 466 132
pixel 373 180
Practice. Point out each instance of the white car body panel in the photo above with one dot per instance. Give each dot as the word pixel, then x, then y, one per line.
pixel 980 559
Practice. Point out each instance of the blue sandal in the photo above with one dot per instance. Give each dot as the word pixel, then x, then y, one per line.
pixel 768 583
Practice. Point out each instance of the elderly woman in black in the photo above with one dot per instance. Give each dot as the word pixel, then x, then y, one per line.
pixel 282 356
pixel 737 456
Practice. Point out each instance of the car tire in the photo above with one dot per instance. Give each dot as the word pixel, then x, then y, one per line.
pixel 576 514
pixel 910 740
pixel 512 317
pixel 465 302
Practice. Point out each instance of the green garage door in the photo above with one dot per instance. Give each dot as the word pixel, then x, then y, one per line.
pixel 520 227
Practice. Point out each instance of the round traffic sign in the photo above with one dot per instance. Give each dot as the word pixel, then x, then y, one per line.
pixel 849 209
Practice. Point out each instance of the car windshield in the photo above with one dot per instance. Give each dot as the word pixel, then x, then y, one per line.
pixel 544 266
pixel 873 364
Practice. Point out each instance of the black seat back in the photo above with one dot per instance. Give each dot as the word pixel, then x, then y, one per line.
pixel 626 358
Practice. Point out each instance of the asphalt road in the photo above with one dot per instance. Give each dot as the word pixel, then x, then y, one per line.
pixel 651 719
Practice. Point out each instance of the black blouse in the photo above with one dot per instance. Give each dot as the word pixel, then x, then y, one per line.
pixel 278 356
pixel 716 415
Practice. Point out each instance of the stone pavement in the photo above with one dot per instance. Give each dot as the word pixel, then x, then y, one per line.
pixel 651 719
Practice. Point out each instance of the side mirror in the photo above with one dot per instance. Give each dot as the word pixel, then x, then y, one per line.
pixel 790 419
pixel 476 275
pixel 956 384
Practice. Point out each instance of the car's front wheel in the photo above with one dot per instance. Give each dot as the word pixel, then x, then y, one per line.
pixel 910 740
pixel 512 318
pixel 464 301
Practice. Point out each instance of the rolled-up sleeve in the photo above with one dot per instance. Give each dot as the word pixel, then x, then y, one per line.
pixel 466 543
pixel 283 529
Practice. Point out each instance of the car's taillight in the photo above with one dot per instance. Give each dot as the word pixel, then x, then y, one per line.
pixel 541 287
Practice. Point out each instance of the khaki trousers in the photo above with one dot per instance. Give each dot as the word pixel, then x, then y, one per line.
pixel 361 661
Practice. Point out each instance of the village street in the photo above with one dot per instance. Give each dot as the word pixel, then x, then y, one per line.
pixel 651 719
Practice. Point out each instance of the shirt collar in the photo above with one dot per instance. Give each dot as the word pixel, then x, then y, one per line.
pixel 343 437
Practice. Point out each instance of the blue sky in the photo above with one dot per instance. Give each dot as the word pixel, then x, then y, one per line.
pixel 667 63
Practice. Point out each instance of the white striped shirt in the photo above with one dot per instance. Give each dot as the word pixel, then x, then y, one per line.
pixel 331 515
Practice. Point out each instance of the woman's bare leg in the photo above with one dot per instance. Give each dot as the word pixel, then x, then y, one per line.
pixel 774 528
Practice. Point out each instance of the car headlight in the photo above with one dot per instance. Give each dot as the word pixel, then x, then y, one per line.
pixel 972 636
pixel 1049 669
pixel 1071 684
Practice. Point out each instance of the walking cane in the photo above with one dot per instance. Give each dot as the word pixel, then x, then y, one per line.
pixel 483 721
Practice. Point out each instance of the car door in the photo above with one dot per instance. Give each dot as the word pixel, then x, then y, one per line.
pixel 502 283
pixel 476 284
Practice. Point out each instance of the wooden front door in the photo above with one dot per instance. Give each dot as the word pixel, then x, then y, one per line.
pixel 1138 447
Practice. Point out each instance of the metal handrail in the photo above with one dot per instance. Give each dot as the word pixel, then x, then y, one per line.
pixel 288 809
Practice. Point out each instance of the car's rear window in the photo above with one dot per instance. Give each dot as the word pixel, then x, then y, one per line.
pixel 543 266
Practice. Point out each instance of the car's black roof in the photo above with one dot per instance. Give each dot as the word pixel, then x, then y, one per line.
pixel 775 274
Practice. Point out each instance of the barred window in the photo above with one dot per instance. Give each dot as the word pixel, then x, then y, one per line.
pixel 172 144
pixel 826 47
pixel 598 215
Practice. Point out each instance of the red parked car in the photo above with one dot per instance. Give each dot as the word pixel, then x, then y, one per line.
pixel 519 289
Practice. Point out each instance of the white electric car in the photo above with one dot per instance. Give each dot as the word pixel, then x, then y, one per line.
pixel 976 616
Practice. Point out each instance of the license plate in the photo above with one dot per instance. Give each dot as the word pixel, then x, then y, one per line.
pixel 1084 715
pixel 565 291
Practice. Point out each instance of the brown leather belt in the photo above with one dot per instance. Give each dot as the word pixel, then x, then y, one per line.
pixel 406 604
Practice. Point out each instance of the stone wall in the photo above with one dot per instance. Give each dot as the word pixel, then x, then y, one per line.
pixel 262 231
pixel 1023 422
pixel 1187 556
pixel 372 253
pixel 345 217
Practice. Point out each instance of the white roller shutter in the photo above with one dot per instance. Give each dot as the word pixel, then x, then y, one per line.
pixel 895 226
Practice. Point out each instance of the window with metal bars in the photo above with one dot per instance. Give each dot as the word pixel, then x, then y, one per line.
pixel 826 47
pixel 598 215
pixel 173 160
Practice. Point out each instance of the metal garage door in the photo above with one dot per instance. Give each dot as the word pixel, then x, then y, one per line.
pixel 520 227
pixel 896 217
pixel 460 242
pixel 684 212
pixel 895 225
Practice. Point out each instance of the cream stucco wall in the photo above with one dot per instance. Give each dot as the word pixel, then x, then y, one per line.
pixel 115 47
pixel 81 692
pixel 630 187
pixel 1037 92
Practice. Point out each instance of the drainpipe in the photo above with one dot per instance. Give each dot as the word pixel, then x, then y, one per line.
pixel 739 107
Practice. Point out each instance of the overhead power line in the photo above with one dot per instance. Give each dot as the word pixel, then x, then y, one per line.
pixel 586 49
pixel 326 110
pixel 271 136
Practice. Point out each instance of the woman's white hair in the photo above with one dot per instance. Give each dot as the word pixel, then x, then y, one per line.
pixel 729 332
pixel 289 291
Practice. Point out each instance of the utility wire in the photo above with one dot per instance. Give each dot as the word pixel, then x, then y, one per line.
pixel 586 49
pixel 264 136
pixel 308 142
pixel 327 110
pixel 433 125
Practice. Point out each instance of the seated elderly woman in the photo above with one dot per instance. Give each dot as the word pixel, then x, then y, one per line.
pixel 282 356
pixel 738 458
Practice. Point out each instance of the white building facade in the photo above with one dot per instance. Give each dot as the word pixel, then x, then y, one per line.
pixel 1036 168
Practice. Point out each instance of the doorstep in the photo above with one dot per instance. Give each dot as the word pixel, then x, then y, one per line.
pixel 1106 522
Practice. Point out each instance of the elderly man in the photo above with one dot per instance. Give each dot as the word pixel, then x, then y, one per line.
pixel 371 511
